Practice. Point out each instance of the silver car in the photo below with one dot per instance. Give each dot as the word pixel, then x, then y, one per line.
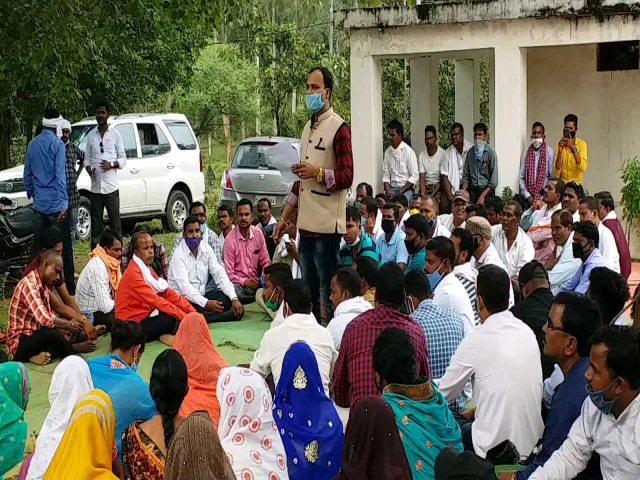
pixel 253 175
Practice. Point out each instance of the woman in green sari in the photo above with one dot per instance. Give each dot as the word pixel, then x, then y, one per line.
pixel 424 421
pixel 14 395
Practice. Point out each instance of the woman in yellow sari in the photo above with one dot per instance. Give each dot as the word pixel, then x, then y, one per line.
pixel 87 449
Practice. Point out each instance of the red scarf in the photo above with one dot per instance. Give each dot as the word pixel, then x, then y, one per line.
pixel 535 184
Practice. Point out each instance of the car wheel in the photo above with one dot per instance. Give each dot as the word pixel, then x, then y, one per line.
pixel 83 227
pixel 177 211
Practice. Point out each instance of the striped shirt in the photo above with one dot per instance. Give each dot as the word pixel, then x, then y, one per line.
pixel 366 248
pixel 467 275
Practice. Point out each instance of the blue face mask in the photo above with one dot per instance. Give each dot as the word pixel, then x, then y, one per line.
pixel 314 102
pixel 357 204
pixel 435 278
pixel 203 227
pixel 193 243
pixel 605 406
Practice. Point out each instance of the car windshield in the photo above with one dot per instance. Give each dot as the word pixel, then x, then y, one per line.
pixel 79 135
pixel 253 155
pixel 182 135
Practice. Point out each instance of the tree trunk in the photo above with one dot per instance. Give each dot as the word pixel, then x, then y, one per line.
pixel 243 128
pixel 5 144
pixel 226 126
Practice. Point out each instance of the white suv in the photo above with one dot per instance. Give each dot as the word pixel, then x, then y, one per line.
pixel 163 175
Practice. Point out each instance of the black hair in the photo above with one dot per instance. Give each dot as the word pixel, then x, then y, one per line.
pixel 327 78
pixel 481 126
pixel 589 231
pixel 168 386
pixel 430 128
pixel 298 296
pixel 457 125
pixel 496 203
pixel 265 200
pixel 466 241
pixel 188 221
pixel 401 199
pixel 623 355
pixel 52 236
pixel 348 279
pixel 580 318
pixel 610 291
pixel 493 285
pixel 353 214
pixel 226 208
pixel 368 189
pixel 576 187
pixel 417 284
pixel 442 248
pixel 565 216
pixel 279 274
pixel 103 103
pixel 126 335
pixel 397 126
pixel 391 206
pixel 537 124
pixel 368 269
pixel 418 223
pixel 371 204
pixel 479 210
pixel 517 207
pixel 394 357
pixel 244 201
pixel 383 196
pixel 571 117
pixel 590 202
pixel 606 200
pixel 108 236
pixel 198 204
pixel 135 238
pixel 390 285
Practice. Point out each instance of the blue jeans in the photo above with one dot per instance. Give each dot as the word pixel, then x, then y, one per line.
pixel 408 194
pixel 319 261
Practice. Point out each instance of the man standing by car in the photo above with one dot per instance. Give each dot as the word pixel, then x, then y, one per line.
pixel 45 180
pixel 326 172
pixel 105 155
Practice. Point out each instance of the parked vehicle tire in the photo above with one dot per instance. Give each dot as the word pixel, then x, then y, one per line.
pixel 128 226
pixel 177 211
pixel 83 227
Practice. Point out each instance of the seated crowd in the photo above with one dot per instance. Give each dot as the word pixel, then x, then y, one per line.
pixel 492 335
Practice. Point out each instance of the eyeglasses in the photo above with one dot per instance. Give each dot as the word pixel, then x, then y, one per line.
pixel 101 148
pixel 548 326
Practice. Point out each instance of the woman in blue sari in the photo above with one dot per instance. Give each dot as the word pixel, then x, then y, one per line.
pixel 424 421
pixel 116 374
pixel 307 420
pixel 14 395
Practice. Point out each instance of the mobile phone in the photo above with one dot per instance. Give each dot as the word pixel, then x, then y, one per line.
pixel 566 133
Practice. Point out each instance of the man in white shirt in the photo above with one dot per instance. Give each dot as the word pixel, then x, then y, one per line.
pixel 191 264
pixel 400 165
pixel 485 253
pixel 347 302
pixel 104 156
pixel 573 193
pixel 463 270
pixel 588 209
pixel 514 247
pixel 609 423
pixel 299 325
pixel 429 163
pixel 209 237
pixel 225 223
pixel 452 165
pixel 402 204
pixel 448 292
pixel 369 213
pixel 502 360
pixel 562 266
pixel 458 217
pixel 429 209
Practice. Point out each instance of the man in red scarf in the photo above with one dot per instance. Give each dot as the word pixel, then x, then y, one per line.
pixel 536 165
pixel 609 218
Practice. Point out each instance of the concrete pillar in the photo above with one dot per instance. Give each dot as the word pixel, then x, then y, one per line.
pixel 510 79
pixel 465 98
pixel 366 121
pixel 435 94
pixel 477 90
pixel 421 100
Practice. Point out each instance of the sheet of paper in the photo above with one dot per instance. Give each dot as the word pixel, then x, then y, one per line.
pixel 282 156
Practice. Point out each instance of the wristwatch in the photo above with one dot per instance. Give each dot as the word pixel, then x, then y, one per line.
pixel 320 175
pixel 113 164
pixel 574 150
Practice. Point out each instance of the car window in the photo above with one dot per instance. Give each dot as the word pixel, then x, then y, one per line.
pixel 252 155
pixel 152 140
pixel 182 135
pixel 128 139
pixel 79 135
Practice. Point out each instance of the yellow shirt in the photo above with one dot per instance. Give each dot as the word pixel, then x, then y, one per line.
pixel 569 171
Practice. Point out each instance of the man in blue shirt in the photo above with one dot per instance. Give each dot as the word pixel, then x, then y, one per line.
pixel 45 178
pixel 391 243
pixel 585 247
pixel 573 319
pixel 355 243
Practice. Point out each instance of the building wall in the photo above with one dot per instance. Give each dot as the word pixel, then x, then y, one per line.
pixel 564 80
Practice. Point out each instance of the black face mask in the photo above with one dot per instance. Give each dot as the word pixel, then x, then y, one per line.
pixel 388 226
pixel 578 250
pixel 411 246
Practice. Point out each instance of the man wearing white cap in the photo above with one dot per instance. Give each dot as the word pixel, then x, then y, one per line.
pixel 45 179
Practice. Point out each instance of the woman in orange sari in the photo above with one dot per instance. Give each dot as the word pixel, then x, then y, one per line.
pixel 193 342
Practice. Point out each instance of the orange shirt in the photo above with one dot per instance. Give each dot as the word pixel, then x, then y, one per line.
pixel 135 299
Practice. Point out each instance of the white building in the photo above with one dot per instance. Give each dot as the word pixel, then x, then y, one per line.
pixel 543 62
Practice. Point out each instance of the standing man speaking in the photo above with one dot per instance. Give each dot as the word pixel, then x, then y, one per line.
pixel 320 196
pixel 104 157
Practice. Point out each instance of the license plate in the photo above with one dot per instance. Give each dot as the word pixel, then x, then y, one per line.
pixel 260 197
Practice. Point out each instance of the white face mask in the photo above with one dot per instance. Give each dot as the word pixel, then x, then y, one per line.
pixel 537 142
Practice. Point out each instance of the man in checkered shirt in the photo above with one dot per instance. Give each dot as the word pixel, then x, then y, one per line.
pixel 353 376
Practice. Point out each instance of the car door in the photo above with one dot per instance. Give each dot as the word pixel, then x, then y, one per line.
pixel 131 179
pixel 156 162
